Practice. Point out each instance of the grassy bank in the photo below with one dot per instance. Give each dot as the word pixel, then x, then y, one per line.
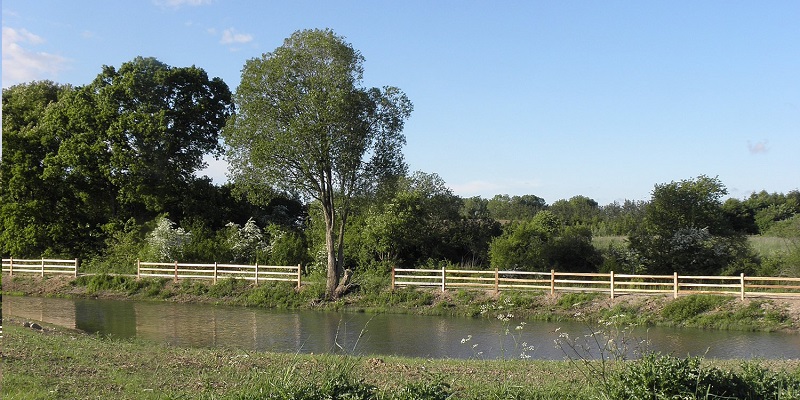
pixel 371 294
pixel 57 364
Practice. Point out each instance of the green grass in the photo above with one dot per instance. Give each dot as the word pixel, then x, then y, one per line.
pixel 61 365
pixel 766 246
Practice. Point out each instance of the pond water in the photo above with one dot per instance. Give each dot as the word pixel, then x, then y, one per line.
pixel 202 325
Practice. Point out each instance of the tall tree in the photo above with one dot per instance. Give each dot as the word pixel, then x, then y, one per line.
pixel 158 122
pixel 28 198
pixel 685 229
pixel 80 161
pixel 305 125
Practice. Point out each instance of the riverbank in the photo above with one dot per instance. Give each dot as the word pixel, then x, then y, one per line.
pixel 54 363
pixel 371 294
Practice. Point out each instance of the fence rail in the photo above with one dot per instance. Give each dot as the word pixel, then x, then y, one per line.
pixel 611 283
pixel 257 273
pixel 40 266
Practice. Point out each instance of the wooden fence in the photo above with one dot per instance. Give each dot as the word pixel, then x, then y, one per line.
pixel 41 266
pixel 257 273
pixel 611 283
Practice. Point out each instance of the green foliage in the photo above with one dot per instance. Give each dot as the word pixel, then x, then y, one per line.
pixel 78 161
pixel 657 376
pixel 685 309
pixel 570 300
pixel 124 284
pixel 422 221
pixel 542 244
pixel 685 230
pixel 305 125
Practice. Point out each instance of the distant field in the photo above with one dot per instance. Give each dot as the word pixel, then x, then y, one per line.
pixel 602 242
pixel 768 245
pixel 762 245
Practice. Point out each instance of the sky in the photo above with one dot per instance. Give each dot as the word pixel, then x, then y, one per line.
pixel 603 99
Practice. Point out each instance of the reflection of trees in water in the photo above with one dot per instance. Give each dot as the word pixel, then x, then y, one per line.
pixel 112 318
pixel 308 331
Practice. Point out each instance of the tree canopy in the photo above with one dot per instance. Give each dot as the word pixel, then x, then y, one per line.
pixel 305 125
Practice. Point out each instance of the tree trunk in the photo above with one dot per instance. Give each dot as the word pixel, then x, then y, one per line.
pixel 330 245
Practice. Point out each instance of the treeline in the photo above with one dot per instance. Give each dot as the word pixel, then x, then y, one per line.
pixel 108 172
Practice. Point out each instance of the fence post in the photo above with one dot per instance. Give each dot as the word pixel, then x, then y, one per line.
pixel 299 274
pixel 674 285
pixel 176 271
pixel 611 276
pixel 138 269
pixel 741 277
pixel 10 266
pixel 42 267
pixel 215 273
pixel 496 281
pixel 76 267
pixel 444 280
pixel 256 272
pixel 552 281
pixel 393 267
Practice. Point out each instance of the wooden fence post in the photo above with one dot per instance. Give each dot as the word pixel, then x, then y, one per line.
pixel 393 267
pixel 611 279
pixel 76 267
pixel 176 271
pixel 138 269
pixel 299 274
pixel 444 280
pixel 256 272
pixel 741 278
pixel 42 267
pixel 215 273
pixel 496 281
pixel 10 266
pixel 675 285
pixel 552 281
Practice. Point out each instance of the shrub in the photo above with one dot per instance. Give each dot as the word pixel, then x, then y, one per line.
pixel 656 376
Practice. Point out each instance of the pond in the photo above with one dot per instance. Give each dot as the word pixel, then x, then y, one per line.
pixel 255 329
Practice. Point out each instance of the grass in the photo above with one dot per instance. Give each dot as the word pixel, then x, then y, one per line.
pixel 767 246
pixel 63 364
pixel 763 246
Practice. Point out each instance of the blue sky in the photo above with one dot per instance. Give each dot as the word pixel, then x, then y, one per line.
pixel 603 99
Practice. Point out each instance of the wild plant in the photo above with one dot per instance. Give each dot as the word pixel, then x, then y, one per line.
pixel 607 342
pixel 505 318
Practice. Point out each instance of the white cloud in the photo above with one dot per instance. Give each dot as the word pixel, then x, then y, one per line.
pixel 21 64
pixel 229 36
pixel 758 147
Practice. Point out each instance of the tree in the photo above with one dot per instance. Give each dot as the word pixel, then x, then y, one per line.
pixel 685 229
pixel 577 210
pixel 27 196
pixel 158 122
pixel 305 125
pixel 543 243
pixel 82 161
pixel 515 208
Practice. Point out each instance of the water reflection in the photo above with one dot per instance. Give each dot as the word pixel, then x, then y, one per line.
pixel 407 335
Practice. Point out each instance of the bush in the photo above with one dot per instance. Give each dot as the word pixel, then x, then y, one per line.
pixel 655 376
